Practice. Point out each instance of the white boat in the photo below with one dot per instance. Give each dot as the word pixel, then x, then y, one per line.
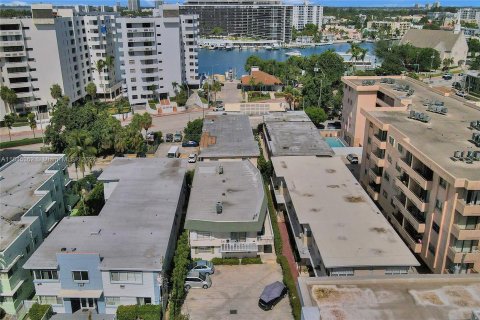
pixel 229 47
pixel 294 53
pixel 269 47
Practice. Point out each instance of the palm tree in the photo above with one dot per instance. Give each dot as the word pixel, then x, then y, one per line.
pixel 215 88
pixel 175 87
pixel 251 83
pixel 447 62
pixel 362 54
pixel 91 89
pixel 289 99
pixel 355 53
pixel 146 122
pixel 80 150
pixel 9 120
pixel 153 88
pixel 8 96
pixel 120 143
pixel 110 63
pixel 99 65
pixel 32 122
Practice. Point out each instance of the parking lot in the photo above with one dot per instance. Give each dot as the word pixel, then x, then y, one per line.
pixel 234 294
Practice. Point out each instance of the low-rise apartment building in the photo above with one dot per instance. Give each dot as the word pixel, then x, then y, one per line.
pixel 292 133
pixel 227 211
pixel 228 137
pixel 361 93
pixel 156 51
pixel 121 256
pixel 422 167
pixel 32 191
pixel 336 227
pixel 393 28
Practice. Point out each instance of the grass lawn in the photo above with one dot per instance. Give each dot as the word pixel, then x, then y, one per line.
pixel 22 142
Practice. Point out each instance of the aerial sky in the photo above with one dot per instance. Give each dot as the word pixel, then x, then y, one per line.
pixel 335 3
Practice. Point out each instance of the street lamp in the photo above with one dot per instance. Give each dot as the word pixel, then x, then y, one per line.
pixel 431 67
pixel 316 69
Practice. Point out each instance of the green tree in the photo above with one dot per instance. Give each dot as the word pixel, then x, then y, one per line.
pixel 475 63
pixel 180 262
pixel 153 88
pixel 146 122
pixel 217 31
pixel 56 91
pixel 317 115
pixel 193 130
pixel 99 66
pixel 473 46
pixel 175 87
pixel 95 200
pixel 9 97
pixel 447 62
pixel 9 120
pixel 32 122
pixel 110 64
pixel 80 149
pixel 91 89
pixel 265 167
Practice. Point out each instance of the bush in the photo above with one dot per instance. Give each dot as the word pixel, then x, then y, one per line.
pixel 277 239
pixel 145 312
pixel 226 261
pixel 22 142
pixel 255 260
pixel 292 288
pixel 38 311
pixel 180 261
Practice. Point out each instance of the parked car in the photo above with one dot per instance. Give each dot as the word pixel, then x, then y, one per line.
pixel 352 158
pixel 203 266
pixel 461 93
pixel 169 137
pixel 196 279
pixel 190 143
pixel 192 158
pixel 271 295
pixel 447 76
pixel 219 108
pixel 177 137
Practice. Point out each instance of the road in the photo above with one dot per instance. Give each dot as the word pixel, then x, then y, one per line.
pixel 230 93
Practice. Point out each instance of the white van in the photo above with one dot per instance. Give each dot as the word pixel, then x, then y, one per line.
pixel 173 152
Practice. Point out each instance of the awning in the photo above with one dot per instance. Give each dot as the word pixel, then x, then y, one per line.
pixel 80 293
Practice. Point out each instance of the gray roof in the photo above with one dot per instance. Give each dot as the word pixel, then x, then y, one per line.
pixel 292 133
pixel 239 188
pixel 347 226
pixel 20 180
pixel 415 296
pixel 228 136
pixel 133 229
pixel 437 39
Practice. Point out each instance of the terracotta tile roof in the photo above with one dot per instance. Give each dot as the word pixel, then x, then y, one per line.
pixel 260 76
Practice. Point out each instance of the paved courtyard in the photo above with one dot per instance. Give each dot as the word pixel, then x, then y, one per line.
pixel 237 288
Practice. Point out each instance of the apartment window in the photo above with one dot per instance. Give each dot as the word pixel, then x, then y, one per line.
pixel 443 183
pixel 80 276
pixel 396 270
pixel 132 70
pixel 391 140
pixel 46 274
pixel 386 176
pixel 135 96
pixel 203 249
pixel 400 148
pixel 389 158
pixel 397 167
pixel 385 194
pixel 438 205
pixel 112 301
pixel 435 227
pixel 134 88
pixel 133 79
pixel 238 236
pixel 202 235
pixel 339 272
pixel 50 300
pixel 431 248
pixel 123 276
pixel 144 300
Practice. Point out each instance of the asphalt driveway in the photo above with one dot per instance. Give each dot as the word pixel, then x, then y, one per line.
pixel 234 295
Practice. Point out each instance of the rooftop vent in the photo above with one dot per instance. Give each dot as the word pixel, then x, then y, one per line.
pixel 63 249
pixel 466 156
pixel 476 138
pixel 420 116
pixel 437 109
pixel 96 233
pixel 387 80
pixel 219 207
pixel 475 124
pixel 220 169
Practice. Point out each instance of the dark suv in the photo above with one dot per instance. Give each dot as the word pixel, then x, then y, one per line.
pixel 169 137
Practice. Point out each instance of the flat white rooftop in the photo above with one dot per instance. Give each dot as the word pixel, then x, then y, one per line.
pixel 134 227
pixel 435 297
pixel 19 181
pixel 348 228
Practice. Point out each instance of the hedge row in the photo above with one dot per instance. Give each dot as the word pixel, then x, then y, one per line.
pixel 145 312
pixel 255 260
pixel 277 239
pixel 38 311
pixel 292 288
pixel 22 142
pixel 226 261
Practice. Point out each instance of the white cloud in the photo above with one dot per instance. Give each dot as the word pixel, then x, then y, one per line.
pixel 17 3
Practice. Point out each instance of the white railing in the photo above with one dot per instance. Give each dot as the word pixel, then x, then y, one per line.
pixel 239 247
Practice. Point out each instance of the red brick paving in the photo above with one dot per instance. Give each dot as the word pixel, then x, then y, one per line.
pixel 287 249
